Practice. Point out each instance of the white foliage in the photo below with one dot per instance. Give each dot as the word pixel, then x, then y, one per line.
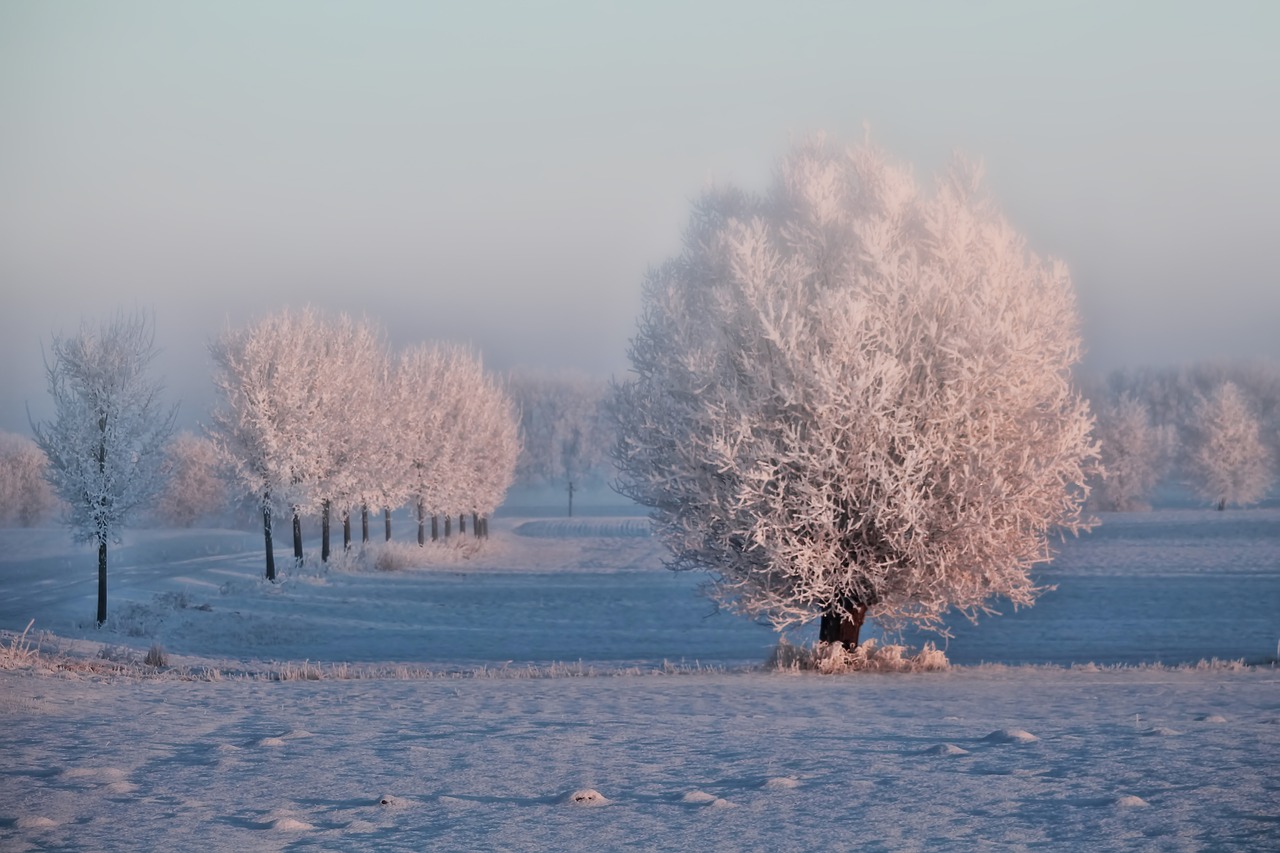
pixel 25 496
pixel 565 434
pixel 194 488
pixel 1134 454
pixel 848 394
pixel 105 443
pixel 1228 462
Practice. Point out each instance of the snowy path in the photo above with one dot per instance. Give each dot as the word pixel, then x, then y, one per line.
pixel 1119 761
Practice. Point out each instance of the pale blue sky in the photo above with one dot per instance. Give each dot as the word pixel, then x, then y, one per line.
pixel 503 173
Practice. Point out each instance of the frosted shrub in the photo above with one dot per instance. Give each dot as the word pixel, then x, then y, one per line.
pixel 868 656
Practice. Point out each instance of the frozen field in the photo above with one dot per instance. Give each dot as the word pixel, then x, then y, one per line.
pixel 560 658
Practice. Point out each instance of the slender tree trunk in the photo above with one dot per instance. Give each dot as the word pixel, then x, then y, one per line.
pixel 570 490
pixel 435 528
pixel 448 519
pixel 266 537
pixel 475 524
pixel 462 524
pixel 836 628
pixel 324 531
pixel 346 530
pixel 102 580
pixel 484 527
pixel 297 539
pixel 364 523
pixel 1222 504
pixel 422 525
pixel 386 518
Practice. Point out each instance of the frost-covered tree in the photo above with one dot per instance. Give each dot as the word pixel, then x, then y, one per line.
pixel 194 487
pixel 565 434
pixel 1228 462
pixel 105 443
pixel 267 423
pixel 459 436
pixel 851 399
pixel 25 496
pixel 1134 454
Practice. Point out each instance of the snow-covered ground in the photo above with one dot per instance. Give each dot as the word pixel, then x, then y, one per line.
pixel 495 685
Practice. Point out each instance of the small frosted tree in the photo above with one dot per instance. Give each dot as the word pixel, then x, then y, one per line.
pixel 105 443
pixel 853 400
pixel 194 487
pixel 1228 462
pixel 1134 454
pixel 25 496
pixel 565 435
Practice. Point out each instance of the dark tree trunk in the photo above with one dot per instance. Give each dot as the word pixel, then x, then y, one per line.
pixel 462 524
pixel 1222 504
pixel 324 531
pixel 386 517
pixel 448 520
pixel 102 580
pixel 837 628
pixel 570 499
pixel 364 523
pixel 422 525
pixel 346 530
pixel 484 528
pixel 475 524
pixel 266 537
pixel 435 528
pixel 297 539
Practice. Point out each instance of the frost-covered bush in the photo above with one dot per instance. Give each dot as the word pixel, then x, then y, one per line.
pixel 854 399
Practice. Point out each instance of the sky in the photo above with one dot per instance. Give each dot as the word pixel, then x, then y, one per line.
pixel 503 174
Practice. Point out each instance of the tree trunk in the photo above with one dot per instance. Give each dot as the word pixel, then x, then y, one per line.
pixel 484 527
pixel 102 580
pixel 837 628
pixel 571 499
pixel 462 524
pixel 266 537
pixel 324 531
pixel 346 530
pixel 435 528
pixel 1222 504
pixel 422 525
pixel 475 524
pixel 297 539
pixel 386 517
pixel 448 520
pixel 364 523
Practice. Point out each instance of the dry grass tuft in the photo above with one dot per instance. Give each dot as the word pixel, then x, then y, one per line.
pixel 869 656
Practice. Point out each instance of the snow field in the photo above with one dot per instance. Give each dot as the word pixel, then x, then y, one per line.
pixel 992 756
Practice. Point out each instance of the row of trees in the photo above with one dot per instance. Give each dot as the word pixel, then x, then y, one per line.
pixel 316 416
pixel 1214 427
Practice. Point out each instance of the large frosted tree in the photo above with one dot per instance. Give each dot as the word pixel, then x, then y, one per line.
pixel 105 442
pixel 1228 462
pixel 852 399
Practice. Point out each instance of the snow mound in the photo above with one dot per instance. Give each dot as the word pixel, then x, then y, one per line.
pixel 1129 801
pixel 270 741
pixel 587 797
pixel 589 528
pixel 227 747
pixel 1211 718
pixel 290 824
pixel 949 749
pixel 698 797
pixel 1162 731
pixel 782 783
pixel 35 822
pixel 1011 736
